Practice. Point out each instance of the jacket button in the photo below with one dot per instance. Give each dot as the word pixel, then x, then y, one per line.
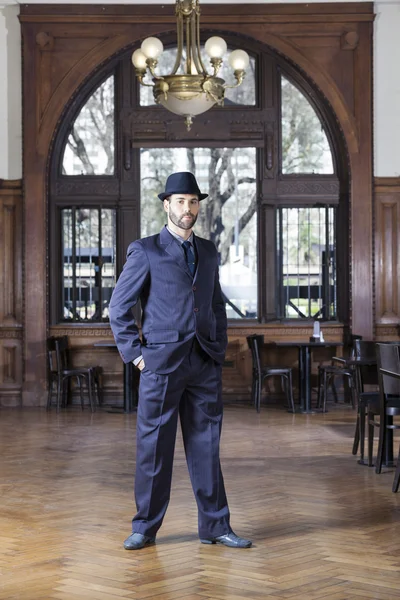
pixel 194 288
pixel 196 310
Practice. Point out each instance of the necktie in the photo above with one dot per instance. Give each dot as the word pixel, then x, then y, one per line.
pixel 189 254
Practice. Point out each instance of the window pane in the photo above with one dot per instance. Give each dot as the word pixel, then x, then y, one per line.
pixel 228 217
pixel 89 246
pixel 90 146
pixel 305 147
pixel 245 94
pixel 307 262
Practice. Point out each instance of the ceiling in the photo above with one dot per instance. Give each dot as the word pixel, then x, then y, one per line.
pixel 172 2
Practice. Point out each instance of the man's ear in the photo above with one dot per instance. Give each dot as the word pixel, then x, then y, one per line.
pixel 166 205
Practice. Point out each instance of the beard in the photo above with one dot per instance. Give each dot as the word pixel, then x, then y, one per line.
pixel 179 222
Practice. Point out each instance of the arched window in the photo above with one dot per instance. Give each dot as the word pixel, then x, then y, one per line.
pixel 268 159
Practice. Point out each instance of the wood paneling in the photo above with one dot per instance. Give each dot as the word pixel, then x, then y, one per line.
pixel 64 45
pixel 387 250
pixel 10 293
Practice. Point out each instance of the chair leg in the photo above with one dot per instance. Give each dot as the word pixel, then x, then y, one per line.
pixel 356 436
pixel 254 390
pixel 98 380
pixel 60 383
pixel 80 391
pixel 333 386
pixel 319 399
pixel 89 381
pixel 49 395
pixel 290 381
pixel 396 479
pixel 325 390
pixel 361 411
pixel 371 430
pixel 258 393
pixel 381 444
pixel 65 389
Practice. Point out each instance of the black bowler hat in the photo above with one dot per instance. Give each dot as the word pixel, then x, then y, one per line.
pixel 182 183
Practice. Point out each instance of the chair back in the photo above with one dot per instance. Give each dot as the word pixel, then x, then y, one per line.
pixel 51 355
pixel 368 374
pixel 388 358
pixel 57 354
pixel 62 352
pixel 255 343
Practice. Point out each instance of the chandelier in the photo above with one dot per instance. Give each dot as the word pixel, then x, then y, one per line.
pixel 195 90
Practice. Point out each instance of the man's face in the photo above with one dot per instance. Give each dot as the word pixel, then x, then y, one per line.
pixel 182 210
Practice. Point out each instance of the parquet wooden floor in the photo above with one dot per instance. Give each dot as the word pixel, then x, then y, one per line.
pixel 323 526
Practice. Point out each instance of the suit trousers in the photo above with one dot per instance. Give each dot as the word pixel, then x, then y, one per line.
pixel 194 392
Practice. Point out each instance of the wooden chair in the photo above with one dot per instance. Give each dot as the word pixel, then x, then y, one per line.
pixel 260 373
pixel 365 375
pixel 338 368
pixel 60 375
pixel 388 359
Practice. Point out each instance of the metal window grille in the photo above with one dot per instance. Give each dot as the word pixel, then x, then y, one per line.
pixel 306 263
pixel 88 263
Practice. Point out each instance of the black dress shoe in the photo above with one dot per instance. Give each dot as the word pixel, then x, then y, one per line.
pixel 137 540
pixel 229 539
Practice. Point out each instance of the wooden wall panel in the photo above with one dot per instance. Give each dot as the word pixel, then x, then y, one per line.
pixel 10 293
pixel 237 370
pixel 387 250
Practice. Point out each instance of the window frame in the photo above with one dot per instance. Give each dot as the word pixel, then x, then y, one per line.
pixel 261 123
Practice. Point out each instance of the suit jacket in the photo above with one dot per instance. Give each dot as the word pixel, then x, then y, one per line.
pixel 176 307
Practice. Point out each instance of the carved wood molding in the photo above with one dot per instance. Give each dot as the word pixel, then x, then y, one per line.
pixel 301 187
pixel 349 40
pixel 10 187
pixel 80 187
pixel 11 333
pixel 77 331
pixel 387 332
pixel 387 184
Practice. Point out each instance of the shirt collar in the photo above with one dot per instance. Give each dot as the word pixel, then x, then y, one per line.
pixel 179 238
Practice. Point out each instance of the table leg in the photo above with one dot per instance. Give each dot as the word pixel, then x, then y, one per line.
pixel 305 379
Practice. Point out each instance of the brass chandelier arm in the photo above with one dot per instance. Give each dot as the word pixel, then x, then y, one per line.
pixel 202 67
pixel 188 49
pixel 140 74
pixel 196 51
pixel 151 65
pixel 239 75
pixel 179 36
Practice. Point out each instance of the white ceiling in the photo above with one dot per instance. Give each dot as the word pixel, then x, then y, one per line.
pixel 172 2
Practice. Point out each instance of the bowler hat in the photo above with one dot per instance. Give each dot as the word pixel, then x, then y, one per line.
pixel 182 183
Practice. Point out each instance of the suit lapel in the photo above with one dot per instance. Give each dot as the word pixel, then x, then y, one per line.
pixel 172 247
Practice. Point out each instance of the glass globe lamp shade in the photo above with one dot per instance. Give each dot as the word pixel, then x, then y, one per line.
pixel 215 47
pixel 139 59
pixel 178 104
pixel 239 60
pixel 152 47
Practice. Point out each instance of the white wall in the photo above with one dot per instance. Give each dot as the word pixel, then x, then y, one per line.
pixel 10 96
pixel 386 88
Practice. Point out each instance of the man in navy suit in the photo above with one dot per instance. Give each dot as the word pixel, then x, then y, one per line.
pixel 180 352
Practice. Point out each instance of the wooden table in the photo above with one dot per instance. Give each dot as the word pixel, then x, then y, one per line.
pixel 131 380
pixel 304 353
